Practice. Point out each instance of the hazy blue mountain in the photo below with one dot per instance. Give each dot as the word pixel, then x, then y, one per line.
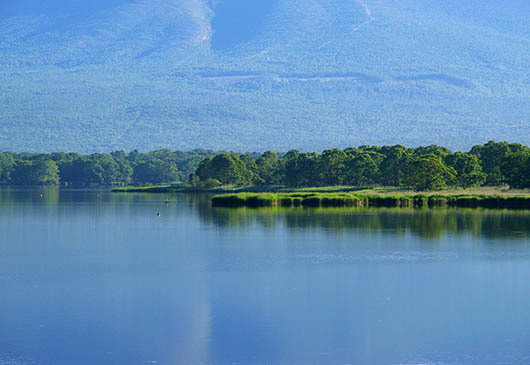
pixel 254 74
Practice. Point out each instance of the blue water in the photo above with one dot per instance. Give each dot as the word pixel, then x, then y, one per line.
pixel 90 277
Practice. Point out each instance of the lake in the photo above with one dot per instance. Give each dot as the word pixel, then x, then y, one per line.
pixel 93 277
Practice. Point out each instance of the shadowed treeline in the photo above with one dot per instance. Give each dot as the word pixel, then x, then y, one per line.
pixel 99 169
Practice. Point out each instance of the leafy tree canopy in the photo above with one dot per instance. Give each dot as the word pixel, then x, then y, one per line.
pixel 429 172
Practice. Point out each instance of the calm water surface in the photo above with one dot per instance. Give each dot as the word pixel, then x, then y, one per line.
pixel 90 277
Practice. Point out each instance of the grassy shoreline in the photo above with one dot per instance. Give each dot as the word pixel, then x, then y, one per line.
pixel 344 196
pixel 404 199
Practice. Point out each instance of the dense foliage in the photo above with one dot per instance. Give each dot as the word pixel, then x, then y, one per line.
pixel 422 168
pixel 116 168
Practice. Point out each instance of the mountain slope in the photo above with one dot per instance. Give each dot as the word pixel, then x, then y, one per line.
pixel 253 75
pixel 105 35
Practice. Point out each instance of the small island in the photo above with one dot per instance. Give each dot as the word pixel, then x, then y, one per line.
pixel 374 199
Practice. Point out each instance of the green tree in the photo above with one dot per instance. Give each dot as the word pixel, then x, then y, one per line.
pixel 187 162
pixel 517 147
pixel 125 171
pixel 429 172
pixel 516 169
pixel 38 172
pixel 267 165
pixel 252 167
pixel 332 167
pixel 46 172
pixel 7 164
pixel 361 167
pixel 226 168
pixel 300 169
pixel 491 156
pixel 88 170
pixel 393 167
pixel 468 170
pixel 432 149
pixel 155 171
pixel 290 169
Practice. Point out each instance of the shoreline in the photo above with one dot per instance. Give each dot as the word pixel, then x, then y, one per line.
pixel 232 189
pixel 344 196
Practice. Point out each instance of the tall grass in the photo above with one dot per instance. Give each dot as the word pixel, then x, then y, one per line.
pixel 376 200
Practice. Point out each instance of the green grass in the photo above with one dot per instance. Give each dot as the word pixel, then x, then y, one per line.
pixel 403 195
pixel 507 201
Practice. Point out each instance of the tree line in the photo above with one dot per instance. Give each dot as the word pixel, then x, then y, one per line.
pixel 422 168
pixel 116 168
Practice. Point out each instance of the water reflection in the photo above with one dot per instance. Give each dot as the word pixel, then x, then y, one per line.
pixel 429 223
pixel 92 277
pixel 425 223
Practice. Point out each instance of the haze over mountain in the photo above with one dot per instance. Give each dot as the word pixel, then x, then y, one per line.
pixel 254 75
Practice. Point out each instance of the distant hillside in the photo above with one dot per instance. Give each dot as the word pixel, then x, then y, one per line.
pixel 252 75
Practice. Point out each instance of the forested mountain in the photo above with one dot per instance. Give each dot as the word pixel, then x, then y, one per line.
pixel 244 75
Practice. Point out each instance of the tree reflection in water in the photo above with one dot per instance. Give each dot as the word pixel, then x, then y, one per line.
pixel 423 222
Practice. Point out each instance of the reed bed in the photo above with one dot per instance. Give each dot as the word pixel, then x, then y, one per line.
pixel 375 200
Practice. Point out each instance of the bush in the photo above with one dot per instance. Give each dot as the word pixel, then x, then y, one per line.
pixel 211 183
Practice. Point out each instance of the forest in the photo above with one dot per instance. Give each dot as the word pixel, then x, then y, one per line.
pixel 277 74
pixel 425 168
pixel 99 169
